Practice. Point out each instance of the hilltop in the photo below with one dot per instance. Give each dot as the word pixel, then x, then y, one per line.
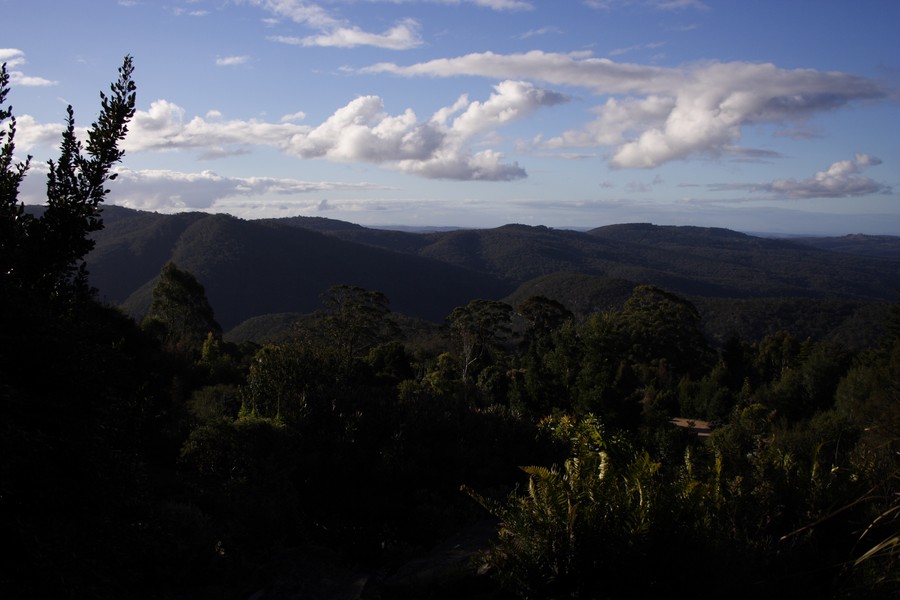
pixel 257 269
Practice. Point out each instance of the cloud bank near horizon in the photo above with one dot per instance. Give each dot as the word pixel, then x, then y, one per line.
pixel 843 179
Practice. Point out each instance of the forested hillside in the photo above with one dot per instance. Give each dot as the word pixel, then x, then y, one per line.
pixel 513 446
pixel 253 268
pixel 256 268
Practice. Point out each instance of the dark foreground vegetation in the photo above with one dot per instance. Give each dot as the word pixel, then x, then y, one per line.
pixel 154 459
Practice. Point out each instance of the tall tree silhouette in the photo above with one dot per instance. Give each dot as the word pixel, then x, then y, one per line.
pixel 46 254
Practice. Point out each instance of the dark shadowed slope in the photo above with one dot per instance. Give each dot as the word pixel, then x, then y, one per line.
pixel 878 246
pixel 252 268
pixel 686 260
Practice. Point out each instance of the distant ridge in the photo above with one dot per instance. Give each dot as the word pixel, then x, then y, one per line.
pixel 281 266
pixel 879 246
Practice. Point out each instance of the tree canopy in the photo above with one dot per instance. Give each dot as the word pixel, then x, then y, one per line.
pixel 46 254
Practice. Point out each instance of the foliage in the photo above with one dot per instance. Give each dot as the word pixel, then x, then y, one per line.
pixel 740 284
pixel 280 379
pixel 479 330
pixel 82 389
pixel 355 320
pixel 165 462
pixel 580 524
pixel 46 255
pixel 180 315
pixel 589 527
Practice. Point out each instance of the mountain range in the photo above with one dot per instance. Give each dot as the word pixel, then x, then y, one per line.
pixel 268 271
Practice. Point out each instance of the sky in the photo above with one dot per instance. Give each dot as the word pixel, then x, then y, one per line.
pixel 766 116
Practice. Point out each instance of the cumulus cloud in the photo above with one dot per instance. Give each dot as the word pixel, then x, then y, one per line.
pixel 437 148
pixel 172 190
pixel 616 121
pixel 842 179
pixel 163 127
pixel 14 59
pixel 297 116
pixel 440 146
pixel 31 134
pixel 655 115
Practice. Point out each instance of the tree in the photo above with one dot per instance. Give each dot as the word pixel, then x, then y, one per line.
pixel 180 316
pixel 14 223
pixel 543 316
pixel 480 328
pixel 540 386
pixel 279 380
pixel 355 320
pixel 46 255
pixel 84 395
pixel 662 326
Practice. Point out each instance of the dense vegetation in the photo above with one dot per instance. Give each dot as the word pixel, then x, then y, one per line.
pixel 252 269
pixel 157 460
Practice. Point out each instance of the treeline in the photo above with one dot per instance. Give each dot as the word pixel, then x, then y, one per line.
pixel 163 460
pixel 156 460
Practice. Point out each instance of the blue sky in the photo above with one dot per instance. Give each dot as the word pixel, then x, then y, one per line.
pixel 763 116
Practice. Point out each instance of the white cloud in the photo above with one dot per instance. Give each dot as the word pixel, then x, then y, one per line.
pixel 335 32
pixel 504 4
pixel 339 33
pixel 298 11
pixel 14 58
pixel 31 134
pixel 651 4
pixel 297 116
pixel 178 12
pixel 616 119
pixel 542 31
pixel 498 5
pixel 435 149
pixel 172 190
pixel 578 68
pixel 163 127
pixel 439 147
pixel 679 4
pixel 231 61
pixel 842 179
pixel 402 36
pixel 665 114
pixel 626 50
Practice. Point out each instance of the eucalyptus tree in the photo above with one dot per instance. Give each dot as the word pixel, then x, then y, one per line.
pixel 180 315
pixel 479 330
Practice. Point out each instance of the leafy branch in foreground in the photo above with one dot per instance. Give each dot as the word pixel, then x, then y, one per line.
pixel 46 255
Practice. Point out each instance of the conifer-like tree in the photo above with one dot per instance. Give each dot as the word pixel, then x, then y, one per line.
pixel 46 255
